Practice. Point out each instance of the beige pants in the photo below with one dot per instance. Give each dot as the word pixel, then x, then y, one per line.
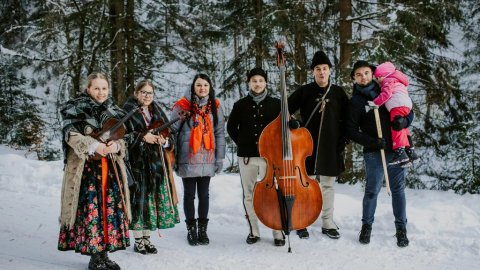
pixel 328 196
pixel 249 173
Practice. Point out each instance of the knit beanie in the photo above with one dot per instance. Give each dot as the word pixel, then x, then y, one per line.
pixel 359 64
pixel 320 58
pixel 383 70
pixel 256 71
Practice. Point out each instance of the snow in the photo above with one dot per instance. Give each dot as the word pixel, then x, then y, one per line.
pixel 443 228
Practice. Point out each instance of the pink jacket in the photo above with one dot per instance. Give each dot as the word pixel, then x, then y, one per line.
pixel 394 91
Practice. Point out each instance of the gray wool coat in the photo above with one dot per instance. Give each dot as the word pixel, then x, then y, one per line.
pixel 202 163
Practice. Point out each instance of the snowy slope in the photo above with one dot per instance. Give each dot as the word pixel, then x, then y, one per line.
pixel 444 230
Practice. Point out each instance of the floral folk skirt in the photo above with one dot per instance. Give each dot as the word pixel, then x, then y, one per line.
pixel 101 223
pixel 153 210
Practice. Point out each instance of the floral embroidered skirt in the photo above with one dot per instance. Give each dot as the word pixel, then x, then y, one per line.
pixel 100 223
pixel 153 210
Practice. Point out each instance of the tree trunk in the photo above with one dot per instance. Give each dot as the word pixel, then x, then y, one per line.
pixel 258 39
pixel 117 50
pixel 299 56
pixel 129 25
pixel 345 37
pixel 344 66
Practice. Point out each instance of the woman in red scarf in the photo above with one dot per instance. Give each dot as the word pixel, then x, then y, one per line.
pixel 200 145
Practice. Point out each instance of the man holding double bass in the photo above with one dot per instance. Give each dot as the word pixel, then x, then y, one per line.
pixel 323 110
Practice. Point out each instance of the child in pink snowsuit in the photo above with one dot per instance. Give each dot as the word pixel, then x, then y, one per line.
pixel 394 95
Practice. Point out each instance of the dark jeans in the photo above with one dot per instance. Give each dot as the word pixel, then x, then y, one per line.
pixel 375 179
pixel 190 184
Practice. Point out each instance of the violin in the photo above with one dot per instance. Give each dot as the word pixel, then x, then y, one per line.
pixel 112 130
pixel 286 198
pixel 161 128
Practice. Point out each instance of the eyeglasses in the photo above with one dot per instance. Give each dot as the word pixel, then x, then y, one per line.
pixel 146 94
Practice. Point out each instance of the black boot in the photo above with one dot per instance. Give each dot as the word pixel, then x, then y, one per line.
pixel 202 231
pixel 149 247
pixel 192 236
pixel 365 233
pixel 410 151
pixel 402 240
pixel 303 233
pixel 399 157
pixel 252 239
pixel 109 263
pixel 97 262
pixel 139 246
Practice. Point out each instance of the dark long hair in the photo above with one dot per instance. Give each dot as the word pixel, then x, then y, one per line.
pixel 211 95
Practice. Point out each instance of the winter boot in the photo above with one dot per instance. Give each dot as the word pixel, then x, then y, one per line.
pixel 402 240
pixel 192 236
pixel 365 233
pixel 252 239
pixel 97 262
pixel 202 231
pixel 109 263
pixel 411 150
pixel 399 156
pixel 149 247
pixel 139 246
pixel 303 233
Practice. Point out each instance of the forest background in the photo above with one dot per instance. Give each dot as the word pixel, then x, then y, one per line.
pixel 48 47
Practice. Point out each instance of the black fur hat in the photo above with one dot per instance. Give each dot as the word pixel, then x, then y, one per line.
pixel 359 64
pixel 256 71
pixel 320 58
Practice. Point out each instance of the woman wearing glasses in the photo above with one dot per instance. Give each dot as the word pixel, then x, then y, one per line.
pixel 153 194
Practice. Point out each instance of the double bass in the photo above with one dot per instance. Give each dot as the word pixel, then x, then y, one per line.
pixel 286 198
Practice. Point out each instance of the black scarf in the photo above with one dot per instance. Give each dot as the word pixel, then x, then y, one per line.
pixel 369 91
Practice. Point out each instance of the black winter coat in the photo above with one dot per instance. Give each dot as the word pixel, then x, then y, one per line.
pixel 145 159
pixel 247 121
pixel 333 138
pixel 361 126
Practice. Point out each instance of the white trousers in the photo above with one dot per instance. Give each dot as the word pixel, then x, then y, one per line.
pixel 251 169
pixel 328 196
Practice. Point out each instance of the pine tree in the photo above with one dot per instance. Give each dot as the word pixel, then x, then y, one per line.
pixel 20 122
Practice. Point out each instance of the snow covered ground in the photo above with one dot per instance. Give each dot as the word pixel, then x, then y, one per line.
pixel 443 228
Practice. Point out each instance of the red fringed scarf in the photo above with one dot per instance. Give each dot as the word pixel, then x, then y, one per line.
pixel 202 128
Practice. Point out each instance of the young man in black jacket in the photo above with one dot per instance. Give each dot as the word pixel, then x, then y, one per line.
pixel 249 116
pixel 361 128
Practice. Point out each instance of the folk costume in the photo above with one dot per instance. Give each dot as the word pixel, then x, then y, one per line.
pixel 153 193
pixel 249 116
pixel 94 215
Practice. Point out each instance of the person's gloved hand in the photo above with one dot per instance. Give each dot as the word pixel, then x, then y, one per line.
pixel 378 143
pixel 294 123
pixel 399 123
pixel 218 166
